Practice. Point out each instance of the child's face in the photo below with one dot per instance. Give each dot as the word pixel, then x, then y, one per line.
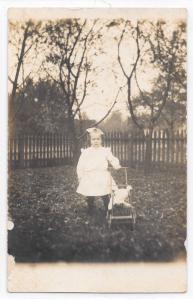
pixel 96 141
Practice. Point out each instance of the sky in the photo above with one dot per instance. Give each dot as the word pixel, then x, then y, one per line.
pixel 108 76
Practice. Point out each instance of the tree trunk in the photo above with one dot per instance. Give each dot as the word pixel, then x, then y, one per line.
pixel 74 141
pixel 148 153
pixel 11 118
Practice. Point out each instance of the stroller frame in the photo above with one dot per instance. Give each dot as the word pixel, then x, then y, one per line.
pixel 130 218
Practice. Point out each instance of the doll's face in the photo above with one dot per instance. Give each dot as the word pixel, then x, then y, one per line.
pixel 96 140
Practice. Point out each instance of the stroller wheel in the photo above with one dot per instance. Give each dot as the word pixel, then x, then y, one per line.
pixel 133 219
pixel 108 217
pixel 134 215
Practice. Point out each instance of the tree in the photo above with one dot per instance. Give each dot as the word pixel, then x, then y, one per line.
pixel 168 53
pixel 173 115
pixel 42 109
pixel 115 120
pixel 174 46
pixel 68 43
pixel 164 52
pixel 23 39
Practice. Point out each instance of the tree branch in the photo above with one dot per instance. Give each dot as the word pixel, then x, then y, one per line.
pixel 119 58
pixel 48 74
pixel 138 52
pixel 28 49
pixel 62 82
pixel 141 92
pixel 11 80
pixel 84 93
pixel 106 115
pixel 76 40
pixel 134 118
pixel 20 59
pixel 79 66
pixel 157 115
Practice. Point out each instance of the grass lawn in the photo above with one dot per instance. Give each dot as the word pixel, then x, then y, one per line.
pixel 51 221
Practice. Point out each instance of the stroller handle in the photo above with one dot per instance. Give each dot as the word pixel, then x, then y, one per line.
pixel 125 172
pixel 118 169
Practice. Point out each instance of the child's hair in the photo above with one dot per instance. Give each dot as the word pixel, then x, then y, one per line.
pixel 95 130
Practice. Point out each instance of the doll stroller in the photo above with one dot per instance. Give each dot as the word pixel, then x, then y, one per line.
pixel 121 209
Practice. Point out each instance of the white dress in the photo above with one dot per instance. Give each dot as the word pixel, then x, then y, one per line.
pixel 92 170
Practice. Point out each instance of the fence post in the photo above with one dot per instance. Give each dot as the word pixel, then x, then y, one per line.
pixel 177 147
pixel 182 151
pixel 148 153
pixel 21 151
pixel 131 150
pixel 154 144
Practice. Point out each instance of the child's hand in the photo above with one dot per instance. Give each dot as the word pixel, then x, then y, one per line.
pixel 118 167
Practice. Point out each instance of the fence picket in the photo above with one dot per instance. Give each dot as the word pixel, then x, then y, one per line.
pixel 177 146
pixel 10 149
pixel 43 149
pixel 154 145
pixel 182 148
pixel 125 142
pixel 15 140
pixel 159 147
pixel 131 150
pixel 167 147
pixel 164 146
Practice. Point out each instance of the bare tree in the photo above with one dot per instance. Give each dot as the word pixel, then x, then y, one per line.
pixel 170 56
pixel 173 115
pixel 69 64
pixel 137 35
pixel 163 54
pixel 168 52
pixel 140 39
pixel 23 39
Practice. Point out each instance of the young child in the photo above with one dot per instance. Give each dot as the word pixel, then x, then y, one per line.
pixel 94 178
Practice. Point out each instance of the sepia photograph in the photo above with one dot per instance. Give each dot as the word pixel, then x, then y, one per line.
pixel 97 149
